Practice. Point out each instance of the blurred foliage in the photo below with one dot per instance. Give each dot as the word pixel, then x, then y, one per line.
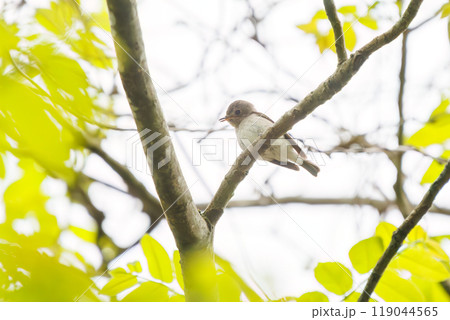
pixel 435 132
pixel 166 283
pixel 349 17
pixel 50 103
pixel 445 13
pixel 413 275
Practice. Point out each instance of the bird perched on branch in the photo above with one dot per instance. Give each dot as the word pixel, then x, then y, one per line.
pixel 251 124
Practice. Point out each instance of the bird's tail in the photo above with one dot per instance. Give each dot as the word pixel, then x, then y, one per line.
pixel 310 167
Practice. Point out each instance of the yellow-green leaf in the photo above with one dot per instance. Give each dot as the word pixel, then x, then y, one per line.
pixel 436 250
pixel 421 263
pixel 229 289
pixel 334 276
pixel 347 10
pixel 86 235
pixel 437 131
pixel 310 27
pixel 393 288
pixel 326 42
pixel 119 282
pixel 369 22
pixel 445 10
pixel 135 267
pixel 177 298
pixel 177 265
pixel 314 296
pixel 365 254
pixel 435 169
pixel 158 260
pixel 385 230
pixel 148 292
pixel 2 168
pixel 440 109
pixel 349 36
pixel 416 234
pixel 433 291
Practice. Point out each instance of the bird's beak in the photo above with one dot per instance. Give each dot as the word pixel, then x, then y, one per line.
pixel 223 119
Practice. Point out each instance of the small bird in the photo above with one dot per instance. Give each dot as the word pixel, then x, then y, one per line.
pixel 251 124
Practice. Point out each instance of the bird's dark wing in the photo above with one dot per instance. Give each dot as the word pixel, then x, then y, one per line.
pixel 289 165
pixel 287 136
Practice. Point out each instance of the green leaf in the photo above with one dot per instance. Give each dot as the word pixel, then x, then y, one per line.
pixel 369 22
pixel 365 254
pixel 229 289
pixel 440 109
pixel 135 267
pixel 177 298
pixel 385 230
pixel 393 288
pixel 416 234
pixel 334 276
pixel 9 38
pixel 158 260
pixel 2 168
pixel 349 36
pixel 148 292
pixel 436 250
pixel 347 10
pixel 421 263
pixel 86 235
pixel 433 291
pixel 310 27
pixel 326 42
pixel 59 18
pixel 445 10
pixel 435 169
pixel 120 281
pixel 314 296
pixel 177 265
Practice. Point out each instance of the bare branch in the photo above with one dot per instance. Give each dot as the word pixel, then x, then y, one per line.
pixel 402 200
pixel 151 205
pixel 330 9
pixel 322 93
pixel 400 234
pixel 187 225
pixel 380 205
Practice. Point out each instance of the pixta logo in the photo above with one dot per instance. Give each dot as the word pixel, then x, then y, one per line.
pixel 150 142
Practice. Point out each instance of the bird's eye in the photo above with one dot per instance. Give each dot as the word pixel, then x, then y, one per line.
pixel 237 112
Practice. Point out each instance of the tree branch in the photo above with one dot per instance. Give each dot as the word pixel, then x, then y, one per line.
pixel 380 205
pixel 402 200
pixel 322 93
pixel 191 231
pixel 330 9
pixel 151 205
pixel 187 225
pixel 400 234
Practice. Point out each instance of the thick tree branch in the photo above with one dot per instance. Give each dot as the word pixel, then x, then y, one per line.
pixel 191 231
pixel 322 93
pixel 330 9
pixel 400 234
pixel 187 225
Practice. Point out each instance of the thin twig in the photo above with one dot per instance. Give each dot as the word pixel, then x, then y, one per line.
pixel 330 9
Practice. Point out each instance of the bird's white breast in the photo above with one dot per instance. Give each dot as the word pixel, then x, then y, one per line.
pixel 250 129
